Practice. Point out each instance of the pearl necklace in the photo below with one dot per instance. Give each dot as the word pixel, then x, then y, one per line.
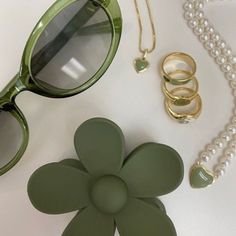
pixel 222 54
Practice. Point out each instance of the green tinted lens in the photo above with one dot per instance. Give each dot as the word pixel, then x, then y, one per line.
pixel 73 46
pixel 11 137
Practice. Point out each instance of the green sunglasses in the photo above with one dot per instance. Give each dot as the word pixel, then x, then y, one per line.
pixel 70 48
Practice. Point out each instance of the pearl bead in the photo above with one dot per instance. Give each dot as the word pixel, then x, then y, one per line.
pixel 233 84
pixel 211 149
pixel 204 22
pixel 193 23
pixel 199 14
pixel 189 15
pixel 221 59
pixel 188 6
pixel 225 136
pixel 225 163
pixel 209 29
pixel 215 37
pixel 219 167
pixel 218 143
pixel 231 129
pixel 221 44
pixel 227 51
pixel 215 52
pixel 226 67
pixel 233 145
pixel 198 30
pixel 199 5
pixel 232 59
pixel 220 172
pixel 204 37
pixel 229 154
pixel 205 157
pixel 209 45
pixel 227 158
pixel 231 76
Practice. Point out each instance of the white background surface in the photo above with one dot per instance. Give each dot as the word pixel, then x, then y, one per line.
pixel 135 103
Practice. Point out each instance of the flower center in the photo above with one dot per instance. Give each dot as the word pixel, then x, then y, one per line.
pixel 109 194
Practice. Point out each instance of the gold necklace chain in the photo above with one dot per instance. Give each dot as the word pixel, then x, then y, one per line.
pixel 141 49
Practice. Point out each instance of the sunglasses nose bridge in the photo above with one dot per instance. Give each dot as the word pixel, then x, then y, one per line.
pixel 13 88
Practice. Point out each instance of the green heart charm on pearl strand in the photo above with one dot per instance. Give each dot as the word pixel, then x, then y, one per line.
pixel 200 177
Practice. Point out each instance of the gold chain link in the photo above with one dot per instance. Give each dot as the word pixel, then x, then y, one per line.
pixel 141 49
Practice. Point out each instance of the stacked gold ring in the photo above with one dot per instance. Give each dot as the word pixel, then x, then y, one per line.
pixel 181 95
pixel 184 117
pixel 188 60
pixel 180 100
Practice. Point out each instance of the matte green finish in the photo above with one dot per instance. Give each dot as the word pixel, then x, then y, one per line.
pixel 200 177
pixel 153 201
pixel 91 222
pixel 139 218
pixel 125 198
pixel 156 203
pixel 109 194
pixel 77 164
pixel 141 64
pixel 24 80
pixel 55 182
pixel 74 163
pixel 90 137
pixel 162 170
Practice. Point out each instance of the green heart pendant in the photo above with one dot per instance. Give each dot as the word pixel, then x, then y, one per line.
pixel 200 177
pixel 141 65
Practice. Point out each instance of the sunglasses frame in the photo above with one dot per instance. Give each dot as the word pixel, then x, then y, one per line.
pixel 24 80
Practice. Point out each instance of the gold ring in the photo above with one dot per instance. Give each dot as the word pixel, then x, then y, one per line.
pixel 168 66
pixel 187 116
pixel 183 99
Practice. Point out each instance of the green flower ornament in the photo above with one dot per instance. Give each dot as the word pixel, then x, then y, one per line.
pixel 107 190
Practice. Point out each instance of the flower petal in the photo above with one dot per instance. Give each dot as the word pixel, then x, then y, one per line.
pixel 152 170
pixel 56 188
pixel 74 163
pixel 100 146
pixel 139 218
pixel 156 203
pixel 92 223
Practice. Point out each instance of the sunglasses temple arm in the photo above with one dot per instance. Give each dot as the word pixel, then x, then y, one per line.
pixel 44 56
